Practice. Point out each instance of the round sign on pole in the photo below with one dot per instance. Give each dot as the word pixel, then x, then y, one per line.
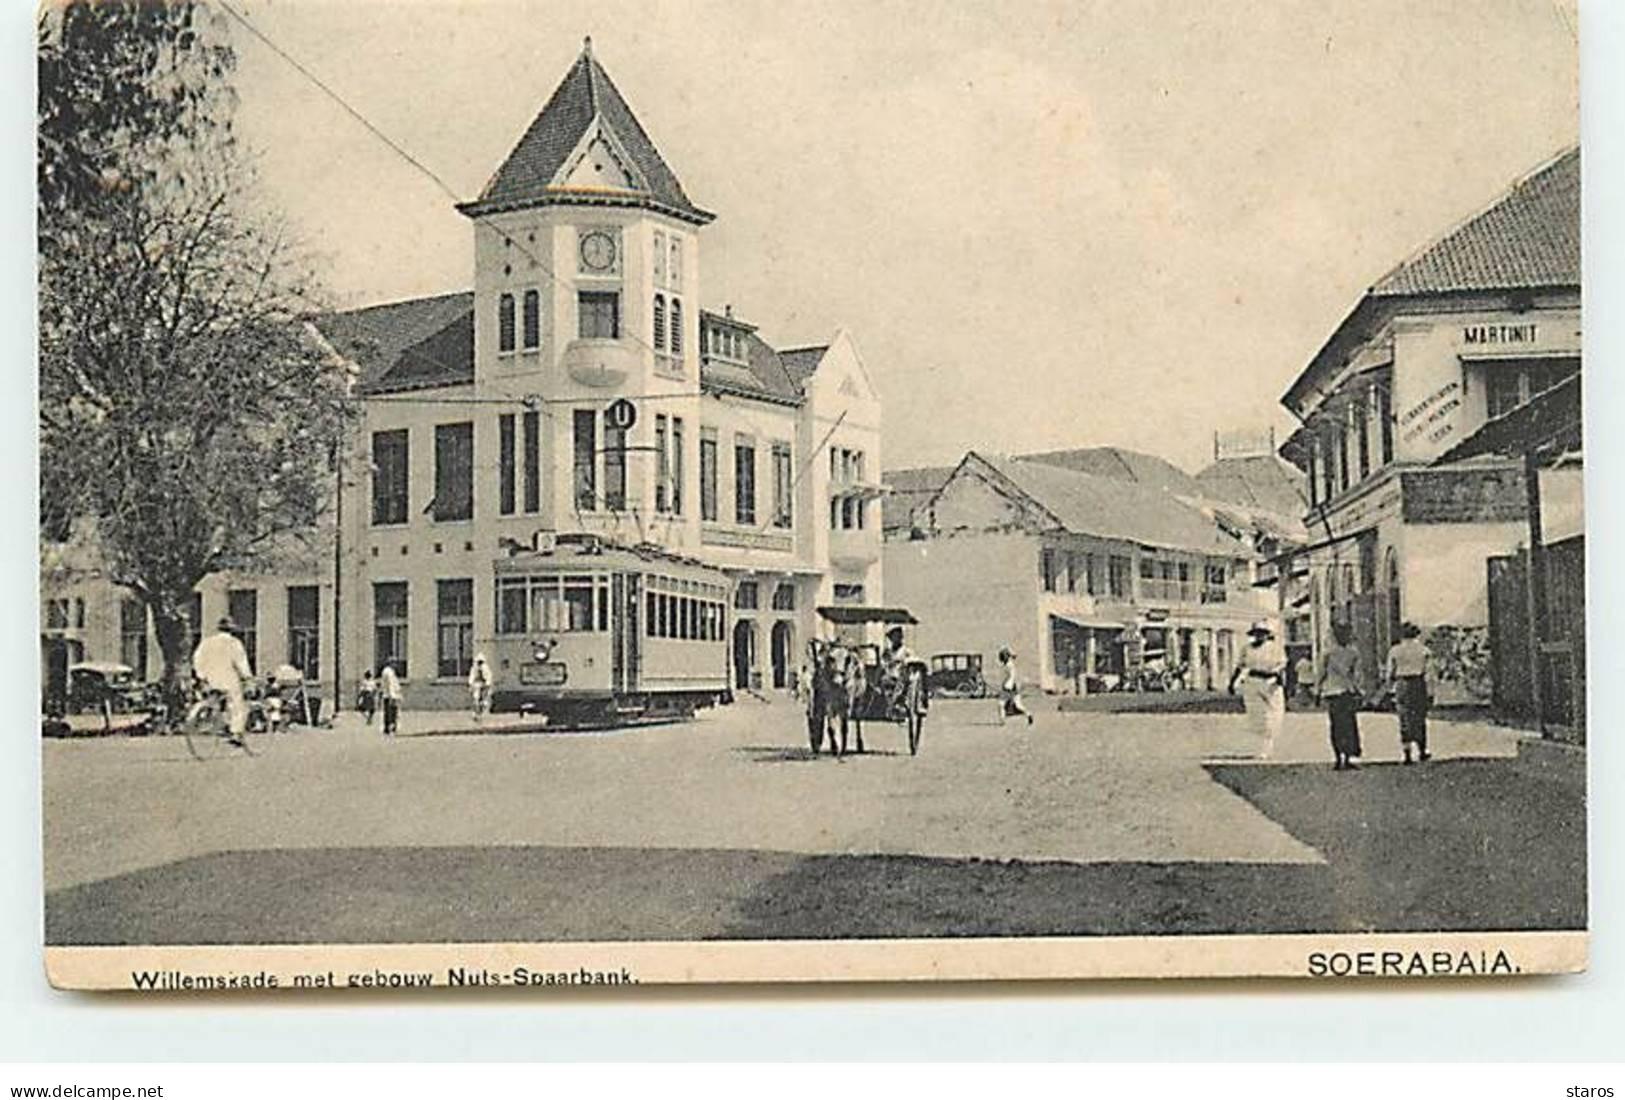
pixel 621 414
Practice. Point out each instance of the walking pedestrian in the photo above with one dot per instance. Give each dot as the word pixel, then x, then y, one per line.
pixel 389 691
pixel 1262 670
pixel 366 697
pixel 479 685
pixel 1410 671
pixel 1010 689
pixel 1339 687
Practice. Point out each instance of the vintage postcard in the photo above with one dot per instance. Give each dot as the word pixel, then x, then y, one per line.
pixel 555 494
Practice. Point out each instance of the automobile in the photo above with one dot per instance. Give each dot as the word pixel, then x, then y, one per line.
pixel 105 686
pixel 957 676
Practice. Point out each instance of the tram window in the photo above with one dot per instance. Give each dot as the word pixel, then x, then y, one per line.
pixel 685 618
pixel 603 606
pixel 510 607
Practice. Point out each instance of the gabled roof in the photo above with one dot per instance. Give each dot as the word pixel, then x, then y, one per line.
pixel 1111 508
pixel 411 344
pixel 1255 481
pixel 585 95
pixel 909 489
pixel 1529 237
pixel 1121 465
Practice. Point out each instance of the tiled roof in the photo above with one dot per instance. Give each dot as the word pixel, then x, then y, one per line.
pixel 908 490
pixel 1113 508
pixel 1530 237
pixel 1257 481
pixel 1121 465
pixel 763 374
pixel 409 344
pixel 802 363
pixel 585 94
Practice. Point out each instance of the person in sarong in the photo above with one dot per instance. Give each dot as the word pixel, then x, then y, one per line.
pixel 1410 671
pixel 1339 687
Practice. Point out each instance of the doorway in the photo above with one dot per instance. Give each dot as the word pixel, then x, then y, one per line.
pixel 745 654
pixel 783 652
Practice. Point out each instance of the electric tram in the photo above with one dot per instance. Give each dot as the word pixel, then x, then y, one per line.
pixel 593 633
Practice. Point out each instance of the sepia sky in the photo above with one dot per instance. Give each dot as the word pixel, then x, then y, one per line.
pixel 1045 224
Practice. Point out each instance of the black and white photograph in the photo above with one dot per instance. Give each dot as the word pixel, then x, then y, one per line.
pixel 593 493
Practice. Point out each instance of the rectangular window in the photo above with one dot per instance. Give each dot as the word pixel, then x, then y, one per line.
pixel 1342 458
pixel 1120 577
pixel 615 469
pixel 744 480
pixel 1047 568
pixel 243 605
pixel 505 465
pixel 56 614
pixel 132 624
pixel 599 313
pixel 305 630
pixel 389 476
pixel 389 626
pixel 849 593
pixel 455 604
pixel 1213 583
pixel 1385 416
pixel 674 271
pixel 532 425
pixel 662 465
pixel 533 320
pixel 782 508
pixel 586 459
pixel 677 465
pixel 1314 480
pixel 1503 390
pixel 1362 425
pixel 746 596
pixel 505 324
pixel 454 471
pixel 708 474
pixel 784 597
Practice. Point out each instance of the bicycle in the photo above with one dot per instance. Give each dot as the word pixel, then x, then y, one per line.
pixel 207 728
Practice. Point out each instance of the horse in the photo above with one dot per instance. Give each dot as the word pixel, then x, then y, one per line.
pixel 838 683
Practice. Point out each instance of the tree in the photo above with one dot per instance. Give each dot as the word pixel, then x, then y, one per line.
pixel 189 422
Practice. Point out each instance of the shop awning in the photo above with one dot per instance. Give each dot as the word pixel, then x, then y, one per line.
pixel 853 615
pixel 1083 623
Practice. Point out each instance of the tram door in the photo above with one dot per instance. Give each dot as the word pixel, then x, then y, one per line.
pixel 625 633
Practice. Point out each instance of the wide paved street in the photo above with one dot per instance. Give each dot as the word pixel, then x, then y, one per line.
pixel 728 827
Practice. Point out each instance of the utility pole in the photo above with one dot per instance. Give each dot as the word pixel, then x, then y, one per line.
pixel 338 569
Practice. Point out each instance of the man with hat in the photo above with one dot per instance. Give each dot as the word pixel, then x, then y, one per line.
pixel 221 662
pixel 894 659
pixel 1262 671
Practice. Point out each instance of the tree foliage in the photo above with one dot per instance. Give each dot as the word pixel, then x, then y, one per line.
pixel 188 420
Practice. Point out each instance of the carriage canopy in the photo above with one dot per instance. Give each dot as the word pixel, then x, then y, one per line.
pixel 848 615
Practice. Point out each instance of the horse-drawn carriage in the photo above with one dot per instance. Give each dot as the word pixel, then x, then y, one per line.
pixel 854 682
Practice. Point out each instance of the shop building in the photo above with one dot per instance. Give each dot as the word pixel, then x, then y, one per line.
pixel 1086 577
pixel 1468 329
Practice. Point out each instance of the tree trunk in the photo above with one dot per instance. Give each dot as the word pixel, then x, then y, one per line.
pixel 174 637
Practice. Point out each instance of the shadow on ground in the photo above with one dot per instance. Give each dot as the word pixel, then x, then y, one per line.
pixel 1455 845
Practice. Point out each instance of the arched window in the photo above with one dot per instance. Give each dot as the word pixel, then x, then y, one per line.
pixel 660 323
pixel 533 320
pixel 676 327
pixel 505 323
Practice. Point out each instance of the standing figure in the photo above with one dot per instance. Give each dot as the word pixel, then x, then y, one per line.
pixel 366 698
pixel 389 689
pixel 479 685
pixel 1262 670
pixel 1339 688
pixel 1303 679
pixel 1010 689
pixel 1410 668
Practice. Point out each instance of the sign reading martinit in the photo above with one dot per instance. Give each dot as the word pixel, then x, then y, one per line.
pixel 1500 335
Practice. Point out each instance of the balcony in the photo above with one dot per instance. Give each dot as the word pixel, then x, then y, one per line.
pixel 600 363
pixel 854 549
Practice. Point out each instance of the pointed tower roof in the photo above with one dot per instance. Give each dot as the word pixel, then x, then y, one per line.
pixel 586 116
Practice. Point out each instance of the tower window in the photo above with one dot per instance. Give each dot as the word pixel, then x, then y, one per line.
pixel 660 322
pixel 505 323
pixel 600 315
pixel 676 327
pixel 533 320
